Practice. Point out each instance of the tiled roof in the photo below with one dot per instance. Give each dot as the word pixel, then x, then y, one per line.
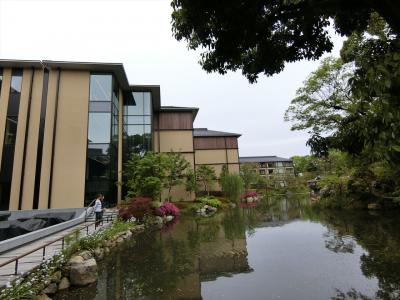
pixel 204 132
pixel 255 159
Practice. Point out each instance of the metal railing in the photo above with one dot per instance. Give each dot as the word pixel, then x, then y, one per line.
pixel 108 218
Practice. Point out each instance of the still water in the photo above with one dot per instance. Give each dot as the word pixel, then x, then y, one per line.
pixel 283 251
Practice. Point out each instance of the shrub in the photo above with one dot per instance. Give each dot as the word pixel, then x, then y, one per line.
pixel 137 207
pixel 195 207
pixel 167 209
pixel 211 201
pixel 232 186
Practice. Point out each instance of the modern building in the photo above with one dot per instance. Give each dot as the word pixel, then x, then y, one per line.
pixel 270 166
pixel 66 129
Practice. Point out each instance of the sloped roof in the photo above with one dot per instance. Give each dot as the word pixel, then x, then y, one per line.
pixel 258 159
pixel 204 132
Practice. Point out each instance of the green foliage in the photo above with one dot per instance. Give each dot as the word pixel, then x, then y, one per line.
pixel 248 174
pixel 232 186
pixel 193 208
pixel 206 175
pixel 146 175
pixel 270 33
pixel 211 201
pixel 176 168
pixel 191 182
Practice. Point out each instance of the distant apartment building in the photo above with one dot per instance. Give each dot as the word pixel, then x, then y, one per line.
pixel 67 129
pixel 272 167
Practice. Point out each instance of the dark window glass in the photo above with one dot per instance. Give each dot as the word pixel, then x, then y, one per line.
pixel 98 167
pixel 100 87
pixel 11 131
pixel 147 103
pixel 262 172
pixel 99 127
pixel 98 149
pixel 100 106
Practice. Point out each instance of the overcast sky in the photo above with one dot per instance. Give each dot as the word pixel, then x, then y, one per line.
pixel 138 34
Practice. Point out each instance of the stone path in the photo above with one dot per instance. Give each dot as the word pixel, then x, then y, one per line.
pixel 34 259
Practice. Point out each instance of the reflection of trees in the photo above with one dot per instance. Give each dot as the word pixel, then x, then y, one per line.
pixel 338 244
pixel 378 234
pixel 350 295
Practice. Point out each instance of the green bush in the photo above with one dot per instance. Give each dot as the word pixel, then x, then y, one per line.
pixel 232 186
pixel 194 207
pixel 211 201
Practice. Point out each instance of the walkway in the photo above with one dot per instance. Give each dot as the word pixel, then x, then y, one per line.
pixel 34 259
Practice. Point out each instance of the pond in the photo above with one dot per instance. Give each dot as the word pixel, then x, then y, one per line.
pixel 284 251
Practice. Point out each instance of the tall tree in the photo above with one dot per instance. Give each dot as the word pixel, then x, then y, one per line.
pixel 260 36
pixel 206 175
pixel 176 167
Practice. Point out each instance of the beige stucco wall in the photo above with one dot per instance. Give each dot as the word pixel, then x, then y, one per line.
pixel 176 140
pixel 20 140
pixel 71 140
pixel 48 139
pixel 233 168
pixel 233 155
pixel 32 141
pixel 210 156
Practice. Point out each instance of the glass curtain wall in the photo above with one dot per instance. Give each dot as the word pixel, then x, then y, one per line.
pixel 136 127
pixel 102 152
pixel 9 138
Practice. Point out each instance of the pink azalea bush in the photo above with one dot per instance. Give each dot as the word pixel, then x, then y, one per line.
pixel 167 209
pixel 249 194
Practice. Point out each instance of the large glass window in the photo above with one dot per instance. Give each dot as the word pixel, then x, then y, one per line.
pixel 99 127
pixel 102 153
pixel 100 87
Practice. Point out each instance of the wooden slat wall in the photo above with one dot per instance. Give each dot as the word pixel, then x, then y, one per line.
pixel 231 142
pixel 176 120
pixel 215 143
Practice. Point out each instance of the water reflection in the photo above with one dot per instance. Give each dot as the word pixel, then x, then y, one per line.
pixel 281 250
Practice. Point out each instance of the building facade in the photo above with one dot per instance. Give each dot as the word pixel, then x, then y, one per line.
pixel 66 129
pixel 271 167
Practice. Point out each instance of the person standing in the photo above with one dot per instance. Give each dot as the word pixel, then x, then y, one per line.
pixel 98 209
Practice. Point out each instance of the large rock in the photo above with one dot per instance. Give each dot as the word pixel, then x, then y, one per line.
pixel 64 284
pixel 86 255
pixel 84 273
pixel 42 297
pixel 76 260
pixel 50 289
pixel 98 253
pixel 56 277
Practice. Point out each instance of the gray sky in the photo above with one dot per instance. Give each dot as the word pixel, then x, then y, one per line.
pixel 138 34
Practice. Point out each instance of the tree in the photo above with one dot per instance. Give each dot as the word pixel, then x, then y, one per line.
pixel 260 36
pixel 191 182
pixel 232 186
pixel 206 175
pixel 175 168
pixel 146 175
pixel 249 174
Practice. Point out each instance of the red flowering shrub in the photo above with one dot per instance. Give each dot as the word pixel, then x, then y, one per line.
pixel 167 209
pixel 137 207
pixel 248 194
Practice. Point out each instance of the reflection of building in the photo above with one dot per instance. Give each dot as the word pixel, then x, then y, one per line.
pixel 67 128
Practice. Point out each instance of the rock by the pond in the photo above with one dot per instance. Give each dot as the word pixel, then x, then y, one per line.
pixel 76 260
pixel 86 255
pixel 56 277
pixel 42 297
pixel 169 218
pixel 158 220
pixel 84 273
pixel 50 289
pixel 64 284
pixel 99 253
